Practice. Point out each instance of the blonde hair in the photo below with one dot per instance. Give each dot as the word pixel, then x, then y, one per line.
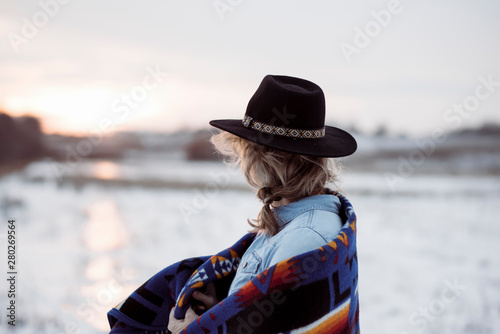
pixel 276 174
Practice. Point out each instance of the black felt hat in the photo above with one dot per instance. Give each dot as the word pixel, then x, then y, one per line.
pixel 288 114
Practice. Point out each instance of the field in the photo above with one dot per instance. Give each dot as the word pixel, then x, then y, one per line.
pixel 428 247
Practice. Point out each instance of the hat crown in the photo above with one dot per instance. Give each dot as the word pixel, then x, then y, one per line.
pixel 288 102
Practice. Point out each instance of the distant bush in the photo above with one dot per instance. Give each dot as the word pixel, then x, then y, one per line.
pixel 490 129
pixel 20 138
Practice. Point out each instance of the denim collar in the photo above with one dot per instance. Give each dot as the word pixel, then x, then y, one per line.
pixel 285 213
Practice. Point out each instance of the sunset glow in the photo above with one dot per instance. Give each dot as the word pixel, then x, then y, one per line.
pixel 403 75
pixel 63 109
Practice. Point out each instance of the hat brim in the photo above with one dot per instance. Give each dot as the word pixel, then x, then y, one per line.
pixel 336 143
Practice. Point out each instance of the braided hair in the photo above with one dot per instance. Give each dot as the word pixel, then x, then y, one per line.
pixel 276 175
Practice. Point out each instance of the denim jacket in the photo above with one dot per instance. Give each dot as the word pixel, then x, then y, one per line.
pixel 305 225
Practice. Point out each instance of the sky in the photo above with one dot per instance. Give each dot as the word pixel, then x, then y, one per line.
pixel 408 65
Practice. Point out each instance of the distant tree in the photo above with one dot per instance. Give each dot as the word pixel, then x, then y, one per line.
pixel 29 134
pixel 20 138
pixel 487 129
pixel 490 129
pixel 8 144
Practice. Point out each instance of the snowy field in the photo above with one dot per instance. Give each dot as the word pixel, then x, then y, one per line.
pixel 428 248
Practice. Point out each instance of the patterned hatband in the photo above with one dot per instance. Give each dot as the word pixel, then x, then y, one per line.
pixel 249 122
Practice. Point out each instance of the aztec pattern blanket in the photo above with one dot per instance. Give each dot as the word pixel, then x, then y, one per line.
pixel 315 292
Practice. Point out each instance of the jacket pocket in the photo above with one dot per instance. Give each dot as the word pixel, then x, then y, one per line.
pixel 251 263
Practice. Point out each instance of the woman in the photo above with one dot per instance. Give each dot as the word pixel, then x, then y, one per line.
pixel 283 148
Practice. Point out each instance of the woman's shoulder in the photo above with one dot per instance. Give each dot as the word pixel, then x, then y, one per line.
pixel 322 218
pixel 304 233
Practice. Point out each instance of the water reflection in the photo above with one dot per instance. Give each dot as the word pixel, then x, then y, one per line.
pixel 99 268
pixel 105 230
pixel 105 170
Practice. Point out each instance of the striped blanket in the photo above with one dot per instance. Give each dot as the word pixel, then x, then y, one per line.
pixel 315 292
